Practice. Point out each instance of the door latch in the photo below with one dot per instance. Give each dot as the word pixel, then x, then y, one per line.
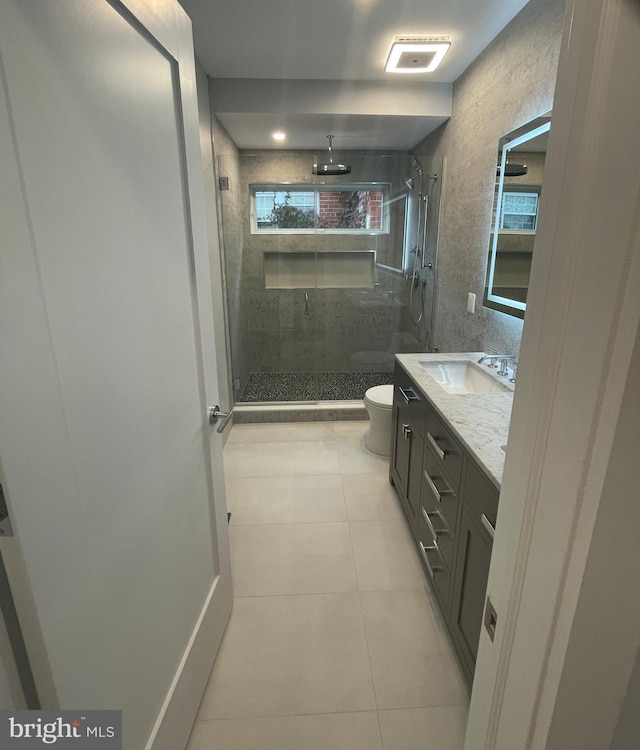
pixel 214 414
pixel 5 522
pixel 490 619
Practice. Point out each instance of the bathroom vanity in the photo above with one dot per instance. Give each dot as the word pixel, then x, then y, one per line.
pixel 450 426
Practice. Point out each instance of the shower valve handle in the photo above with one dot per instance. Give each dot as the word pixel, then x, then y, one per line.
pixel 306 303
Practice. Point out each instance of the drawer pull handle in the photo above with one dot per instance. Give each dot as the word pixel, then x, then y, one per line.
pixel 435 533
pixel 427 520
pixel 488 526
pixel 431 484
pixel 438 450
pixel 433 569
pixel 408 394
pixel 406 431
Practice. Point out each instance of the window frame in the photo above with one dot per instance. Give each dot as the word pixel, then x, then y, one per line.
pixel 316 189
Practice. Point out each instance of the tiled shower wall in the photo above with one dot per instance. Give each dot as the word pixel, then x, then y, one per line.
pixel 271 327
pixel 509 84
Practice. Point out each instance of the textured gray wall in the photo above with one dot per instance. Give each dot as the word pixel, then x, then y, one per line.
pixel 509 84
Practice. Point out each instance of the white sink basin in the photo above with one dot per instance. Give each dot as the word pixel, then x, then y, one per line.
pixel 463 377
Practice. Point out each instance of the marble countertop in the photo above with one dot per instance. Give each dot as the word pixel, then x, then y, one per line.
pixel 480 421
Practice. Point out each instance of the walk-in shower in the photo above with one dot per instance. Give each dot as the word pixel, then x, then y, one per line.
pixel 319 271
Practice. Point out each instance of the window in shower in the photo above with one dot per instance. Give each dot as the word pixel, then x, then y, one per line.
pixel 326 209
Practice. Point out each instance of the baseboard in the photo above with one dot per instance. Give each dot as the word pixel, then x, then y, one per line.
pixel 177 715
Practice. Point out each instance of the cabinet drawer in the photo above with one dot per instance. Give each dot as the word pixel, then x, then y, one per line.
pixel 438 492
pixel 433 528
pixel 444 448
pixel 437 570
pixel 480 496
pixel 411 403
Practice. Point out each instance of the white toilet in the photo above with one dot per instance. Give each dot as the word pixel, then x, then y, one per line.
pixel 378 401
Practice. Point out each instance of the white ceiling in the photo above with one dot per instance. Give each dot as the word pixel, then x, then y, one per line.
pixel 339 41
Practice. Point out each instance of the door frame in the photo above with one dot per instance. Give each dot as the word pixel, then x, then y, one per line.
pixel 582 323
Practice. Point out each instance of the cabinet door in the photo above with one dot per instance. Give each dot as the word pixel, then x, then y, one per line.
pixel 400 450
pixel 414 478
pixel 470 585
pixel 406 463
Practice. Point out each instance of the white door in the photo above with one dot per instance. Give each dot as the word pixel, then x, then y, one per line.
pixel 120 561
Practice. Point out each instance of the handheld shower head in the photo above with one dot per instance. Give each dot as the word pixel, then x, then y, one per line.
pixel 408 182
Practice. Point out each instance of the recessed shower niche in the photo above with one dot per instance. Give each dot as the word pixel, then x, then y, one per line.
pixel 322 270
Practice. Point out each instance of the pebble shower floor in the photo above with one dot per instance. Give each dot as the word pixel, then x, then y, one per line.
pixel 311 386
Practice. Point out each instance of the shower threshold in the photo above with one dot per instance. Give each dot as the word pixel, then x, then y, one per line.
pixel 301 411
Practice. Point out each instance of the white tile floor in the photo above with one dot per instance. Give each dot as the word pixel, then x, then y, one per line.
pixel 334 643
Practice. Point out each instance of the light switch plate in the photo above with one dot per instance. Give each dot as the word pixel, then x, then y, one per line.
pixel 471 302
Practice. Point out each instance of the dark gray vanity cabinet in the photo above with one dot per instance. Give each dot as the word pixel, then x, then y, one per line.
pixel 451 506
pixel 409 418
pixel 473 557
pixel 470 584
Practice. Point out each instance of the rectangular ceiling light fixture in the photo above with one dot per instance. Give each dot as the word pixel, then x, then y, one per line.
pixel 415 54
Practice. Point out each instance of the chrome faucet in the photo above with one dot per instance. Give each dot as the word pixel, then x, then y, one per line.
pixel 493 356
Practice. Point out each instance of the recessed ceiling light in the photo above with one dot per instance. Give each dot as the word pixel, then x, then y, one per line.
pixel 416 54
pixel 278 135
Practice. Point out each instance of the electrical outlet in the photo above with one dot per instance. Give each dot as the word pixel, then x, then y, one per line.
pixel 471 303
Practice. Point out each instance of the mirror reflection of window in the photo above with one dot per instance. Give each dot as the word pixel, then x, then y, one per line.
pixel 519 210
pixel 519 173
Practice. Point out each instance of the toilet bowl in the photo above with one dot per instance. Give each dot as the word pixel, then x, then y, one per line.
pixel 378 401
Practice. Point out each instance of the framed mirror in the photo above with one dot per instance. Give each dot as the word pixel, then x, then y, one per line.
pixel 519 173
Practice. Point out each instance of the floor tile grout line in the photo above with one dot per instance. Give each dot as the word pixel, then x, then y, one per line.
pixel 366 639
pixel 333 713
pixel 290 523
pixel 282 523
pixel 317 713
pixel 329 593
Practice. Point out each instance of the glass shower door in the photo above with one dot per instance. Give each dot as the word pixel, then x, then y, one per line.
pixel 361 292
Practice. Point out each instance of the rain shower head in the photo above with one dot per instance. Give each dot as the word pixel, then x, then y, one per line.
pixel 512 170
pixel 330 168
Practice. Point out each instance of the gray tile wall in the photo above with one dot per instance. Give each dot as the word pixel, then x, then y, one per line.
pixel 510 83
pixel 281 338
